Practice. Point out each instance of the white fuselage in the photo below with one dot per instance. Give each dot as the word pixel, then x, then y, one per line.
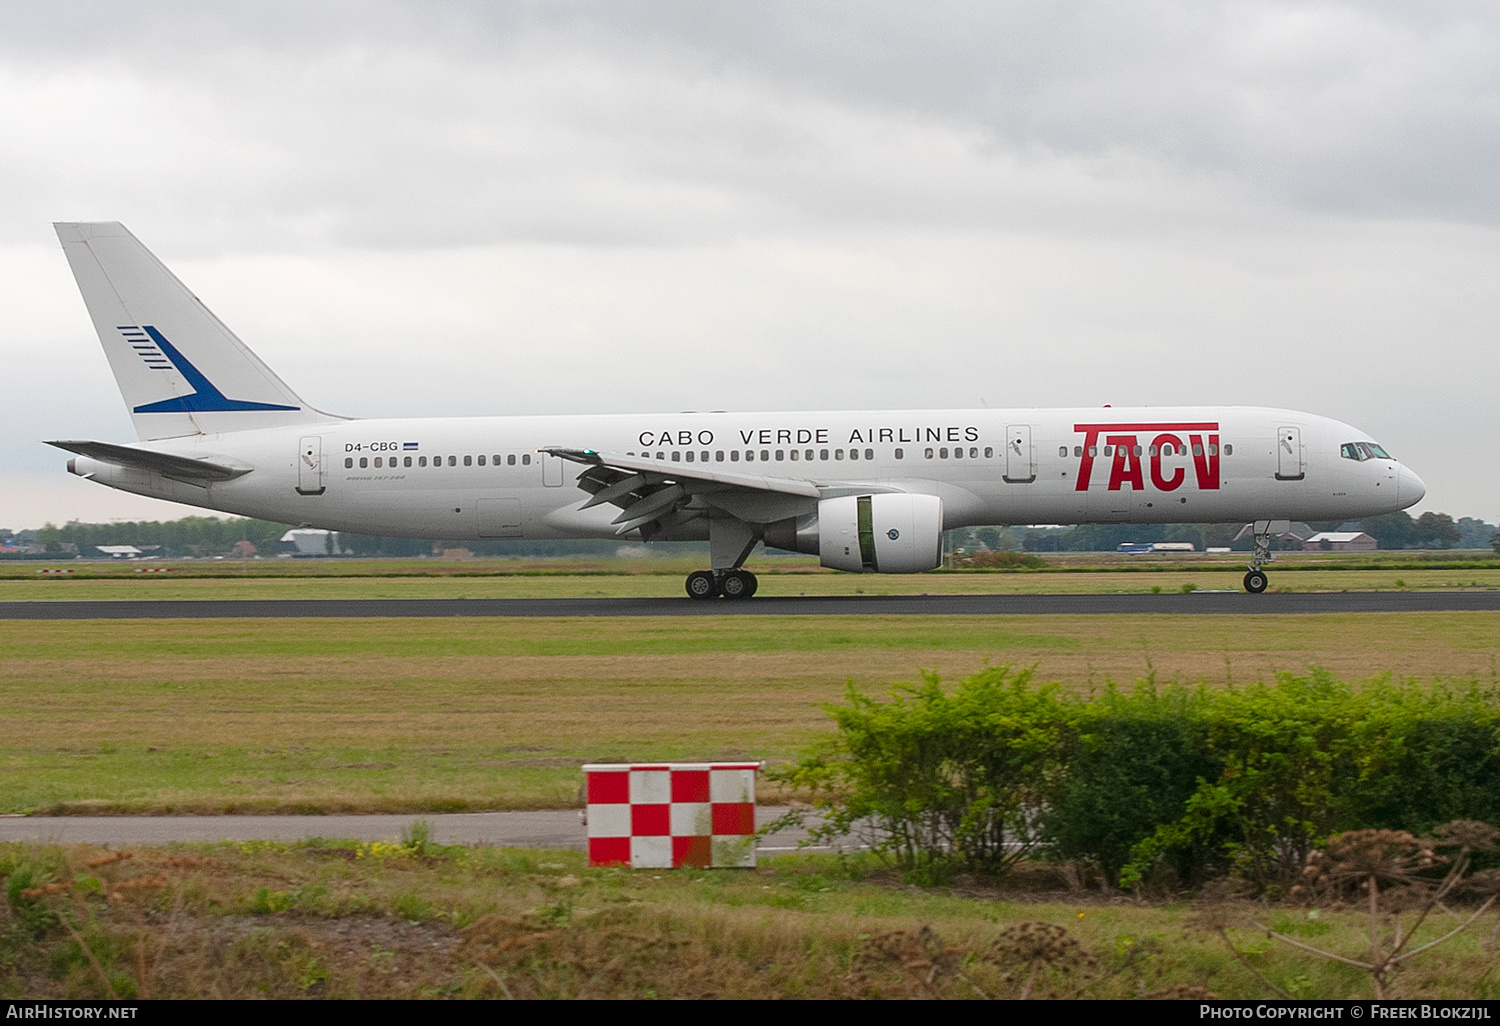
pixel 433 478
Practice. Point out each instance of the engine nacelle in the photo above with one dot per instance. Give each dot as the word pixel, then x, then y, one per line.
pixel 888 533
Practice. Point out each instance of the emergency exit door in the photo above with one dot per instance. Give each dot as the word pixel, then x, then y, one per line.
pixel 552 470
pixel 310 466
pixel 1289 462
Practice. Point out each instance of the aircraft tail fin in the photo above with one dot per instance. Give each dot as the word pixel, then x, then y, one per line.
pixel 180 369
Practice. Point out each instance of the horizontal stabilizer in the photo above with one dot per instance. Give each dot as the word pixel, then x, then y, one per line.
pixel 181 467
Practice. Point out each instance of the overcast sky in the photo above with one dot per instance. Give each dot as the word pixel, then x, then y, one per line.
pixel 480 208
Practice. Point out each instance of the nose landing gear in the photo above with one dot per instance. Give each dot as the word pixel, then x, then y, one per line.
pixel 1255 580
pixel 730 584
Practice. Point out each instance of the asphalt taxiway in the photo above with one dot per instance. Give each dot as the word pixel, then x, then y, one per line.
pixel 549 828
pixel 1215 602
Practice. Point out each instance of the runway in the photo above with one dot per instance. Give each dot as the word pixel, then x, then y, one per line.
pixel 551 828
pixel 1214 602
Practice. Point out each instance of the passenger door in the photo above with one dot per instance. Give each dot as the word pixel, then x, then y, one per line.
pixel 1020 461
pixel 310 466
pixel 1290 465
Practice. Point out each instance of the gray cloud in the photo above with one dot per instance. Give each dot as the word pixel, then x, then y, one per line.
pixel 671 205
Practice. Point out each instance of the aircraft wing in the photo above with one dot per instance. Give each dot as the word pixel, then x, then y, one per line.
pixel 184 468
pixel 650 492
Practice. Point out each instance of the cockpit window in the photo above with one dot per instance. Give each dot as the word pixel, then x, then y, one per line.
pixel 1362 451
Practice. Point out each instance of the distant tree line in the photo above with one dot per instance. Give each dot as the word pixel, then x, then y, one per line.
pixel 1391 531
pixel 211 536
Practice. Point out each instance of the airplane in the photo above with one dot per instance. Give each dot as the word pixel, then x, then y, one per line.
pixel 864 491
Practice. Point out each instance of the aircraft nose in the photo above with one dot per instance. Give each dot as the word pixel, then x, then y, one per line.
pixel 1409 487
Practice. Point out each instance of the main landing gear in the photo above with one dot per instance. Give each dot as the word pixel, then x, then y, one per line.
pixel 730 584
pixel 1255 580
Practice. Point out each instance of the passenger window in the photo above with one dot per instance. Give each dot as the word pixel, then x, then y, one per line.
pixel 900 454
pixel 838 454
pixel 1153 450
pixel 1093 450
pixel 525 459
pixel 854 454
pixel 973 452
pixel 1228 449
pixel 1213 450
pixel 510 460
pixel 719 456
pixel 927 453
pixel 497 459
pixel 676 456
pixel 1138 451
pixel 943 453
pixel 822 454
pixel 958 453
pixel 793 454
pixel 1062 450
pixel 765 455
pixel 468 461
pixel 377 462
pixel 1109 450
pixel 869 454
pixel 734 455
pixel 363 463
pixel 1197 448
pixel 808 455
pixel 780 453
pixel 481 461
pixel 704 457
pixel 348 462
pixel 690 456
pixel 989 452
pixel 1078 450
pixel 421 461
pixel 749 455
pixel 406 462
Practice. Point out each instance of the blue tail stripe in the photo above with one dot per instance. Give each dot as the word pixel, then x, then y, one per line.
pixel 205 398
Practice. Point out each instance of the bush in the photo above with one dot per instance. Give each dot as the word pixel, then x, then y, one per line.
pixel 937 780
pixel 1167 785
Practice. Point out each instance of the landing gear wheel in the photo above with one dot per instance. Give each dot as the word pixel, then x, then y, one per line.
pixel 1255 582
pixel 702 585
pixel 738 584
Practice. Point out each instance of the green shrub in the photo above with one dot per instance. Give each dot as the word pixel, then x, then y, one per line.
pixel 1133 762
pixel 937 780
pixel 1168 785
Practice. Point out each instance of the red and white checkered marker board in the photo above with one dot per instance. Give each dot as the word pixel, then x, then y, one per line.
pixel 666 815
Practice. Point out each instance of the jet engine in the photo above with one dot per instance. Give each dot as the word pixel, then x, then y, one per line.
pixel 888 533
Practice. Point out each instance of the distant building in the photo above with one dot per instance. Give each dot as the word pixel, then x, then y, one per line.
pixel 1340 541
pixel 309 542
pixel 118 551
pixel 1293 537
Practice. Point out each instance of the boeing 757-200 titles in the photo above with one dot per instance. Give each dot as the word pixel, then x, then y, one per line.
pixel 866 492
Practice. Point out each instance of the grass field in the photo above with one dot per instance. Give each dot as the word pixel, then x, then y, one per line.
pixel 333 919
pixel 425 715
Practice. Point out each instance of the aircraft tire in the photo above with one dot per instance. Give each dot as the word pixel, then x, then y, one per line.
pixel 1255 582
pixel 754 584
pixel 702 585
pixel 737 584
